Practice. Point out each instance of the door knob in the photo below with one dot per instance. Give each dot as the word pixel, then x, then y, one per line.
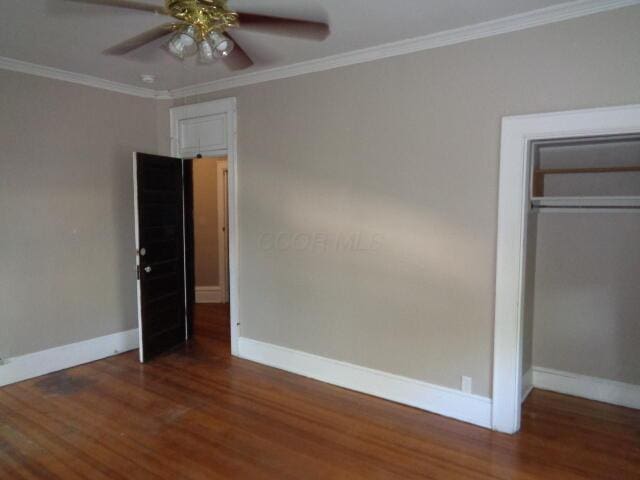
pixel 143 252
pixel 147 269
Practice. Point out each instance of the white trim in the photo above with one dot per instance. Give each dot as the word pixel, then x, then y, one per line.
pixel 234 235
pixel 586 202
pixel 32 365
pixel 513 209
pixel 443 401
pixel 136 226
pixel 223 248
pixel 79 78
pixel 593 388
pixel 228 106
pixel 199 111
pixel 209 294
pixel 535 18
pixel 514 23
pixel 527 384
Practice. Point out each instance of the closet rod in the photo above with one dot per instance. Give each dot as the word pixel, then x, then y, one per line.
pixel 550 171
pixel 586 203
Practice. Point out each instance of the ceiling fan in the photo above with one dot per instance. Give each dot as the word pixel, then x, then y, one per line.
pixel 203 28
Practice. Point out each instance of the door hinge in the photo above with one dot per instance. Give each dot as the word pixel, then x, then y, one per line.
pixel 138 271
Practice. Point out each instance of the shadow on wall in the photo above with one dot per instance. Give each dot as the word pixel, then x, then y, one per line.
pixel 339 266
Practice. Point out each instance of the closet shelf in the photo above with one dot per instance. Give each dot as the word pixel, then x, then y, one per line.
pixel 540 173
pixel 586 202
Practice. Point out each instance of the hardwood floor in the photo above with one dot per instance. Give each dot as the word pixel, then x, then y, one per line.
pixel 198 413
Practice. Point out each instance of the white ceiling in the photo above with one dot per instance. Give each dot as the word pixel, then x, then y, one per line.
pixel 71 36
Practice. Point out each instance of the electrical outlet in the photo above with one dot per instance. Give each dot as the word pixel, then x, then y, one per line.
pixel 466 384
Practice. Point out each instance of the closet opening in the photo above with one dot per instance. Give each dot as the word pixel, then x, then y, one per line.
pixel 581 314
pixel 566 309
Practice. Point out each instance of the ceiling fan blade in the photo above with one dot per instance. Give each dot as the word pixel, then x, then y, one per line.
pixel 131 5
pixel 238 60
pixel 142 39
pixel 289 27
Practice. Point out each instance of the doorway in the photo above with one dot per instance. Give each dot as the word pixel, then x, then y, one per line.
pixel 209 130
pixel 181 249
pixel 210 218
pixel 210 250
pixel 516 184
pixel 165 228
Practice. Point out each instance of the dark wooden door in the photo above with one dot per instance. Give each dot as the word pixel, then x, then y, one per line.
pixel 161 260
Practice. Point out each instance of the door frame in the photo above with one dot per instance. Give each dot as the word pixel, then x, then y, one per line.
pixel 513 208
pixel 223 260
pixel 199 112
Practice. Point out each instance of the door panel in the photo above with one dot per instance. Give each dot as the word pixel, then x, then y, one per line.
pixel 160 237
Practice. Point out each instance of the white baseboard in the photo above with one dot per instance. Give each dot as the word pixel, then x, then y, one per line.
pixel 527 384
pixel 20 368
pixel 444 401
pixel 209 294
pixel 609 391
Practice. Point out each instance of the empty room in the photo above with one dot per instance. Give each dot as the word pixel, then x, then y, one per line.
pixel 317 239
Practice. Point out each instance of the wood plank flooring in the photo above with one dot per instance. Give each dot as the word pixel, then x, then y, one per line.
pixel 198 413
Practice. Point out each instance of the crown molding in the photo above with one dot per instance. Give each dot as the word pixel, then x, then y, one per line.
pixel 535 18
pixel 78 78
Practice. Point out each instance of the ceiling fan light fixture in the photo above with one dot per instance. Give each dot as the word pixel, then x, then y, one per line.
pixel 205 52
pixel 203 28
pixel 183 44
pixel 222 45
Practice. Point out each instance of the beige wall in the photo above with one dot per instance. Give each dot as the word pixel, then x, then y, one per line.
pixel 405 149
pixel 163 126
pixel 205 214
pixel 587 294
pixel 67 267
